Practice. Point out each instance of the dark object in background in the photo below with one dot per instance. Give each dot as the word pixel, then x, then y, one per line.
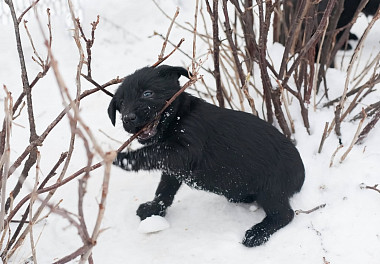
pixel 371 7
pixel 231 153
pixel 339 19
pixel 349 9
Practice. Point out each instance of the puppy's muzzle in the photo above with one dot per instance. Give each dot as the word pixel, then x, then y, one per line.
pixel 130 122
pixel 130 118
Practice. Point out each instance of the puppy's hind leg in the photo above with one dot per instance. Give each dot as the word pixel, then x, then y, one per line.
pixel 278 214
pixel 166 190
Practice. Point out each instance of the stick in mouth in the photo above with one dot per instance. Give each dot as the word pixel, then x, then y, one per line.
pixel 150 130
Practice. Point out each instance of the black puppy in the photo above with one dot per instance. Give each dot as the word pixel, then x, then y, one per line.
pixel 226 152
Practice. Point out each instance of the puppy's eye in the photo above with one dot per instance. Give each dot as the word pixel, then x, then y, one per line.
pixel 147 93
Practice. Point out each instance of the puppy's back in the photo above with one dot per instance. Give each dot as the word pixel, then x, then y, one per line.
pixel 242 144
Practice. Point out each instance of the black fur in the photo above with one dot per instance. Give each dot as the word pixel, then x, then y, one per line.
pixel 231 153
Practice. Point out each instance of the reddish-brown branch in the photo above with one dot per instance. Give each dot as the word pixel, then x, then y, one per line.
pixel 32 84
pixel 161 55
pixel 80 251
pixel 312 41
pixel 25 215
pixel 363 186
pixel 369 84
pixel 45 66
pixel 356 136
pixel 363 134
pixel 89 42
pixel 296 23
pixel 324 135
pixel 311 210
pixel 24 74
pixel 216 46
pixel 26 11
pixel 160 60
pixel 232 44
pixel 89 78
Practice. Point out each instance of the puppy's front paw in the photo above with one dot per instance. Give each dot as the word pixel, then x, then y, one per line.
pixel 124 161
pixel 148 209
pixel 255 237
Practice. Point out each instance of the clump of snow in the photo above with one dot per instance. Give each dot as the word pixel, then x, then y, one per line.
pixel 153 224
pixel 253 207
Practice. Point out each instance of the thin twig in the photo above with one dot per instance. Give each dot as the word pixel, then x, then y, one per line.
pixel 27 90
pixel 364 186
pixel 363 134
pixel 24 75
pixel 248 96
pixel 26 11
pixel 80 251
pixel 216 43
pixel 109 137
pixel 311 210
pixel 43 136
pixel 167 56
pixel 337 120
pixel 107 172
pixel 193 64
pixel 5 157
pixel 40 61
pixel 370 83
pixel 161 56
pixel 312 41
pixel 334 154
pixel 32 199
pixel 356 136
pixel 324 135
pixel 26 213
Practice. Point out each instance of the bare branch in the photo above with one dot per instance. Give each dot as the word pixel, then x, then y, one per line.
pixel 26 11
pixel 311 210
pixel 216 43
pixel 24 75
pixel 33 198
pixel 26 213
pixel 337 120
pixel 356 136
pixel 167 56
pixel 161 56
pixel 80 251
pixel 364 186
pixel 363 134
pixel 334 154
pixel 5 157
pixel 324 135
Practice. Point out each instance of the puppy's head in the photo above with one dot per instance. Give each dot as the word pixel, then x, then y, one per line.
pixel 142 95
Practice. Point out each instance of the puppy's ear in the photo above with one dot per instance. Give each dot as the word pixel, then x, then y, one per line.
pixel 172 72
pixel 112 111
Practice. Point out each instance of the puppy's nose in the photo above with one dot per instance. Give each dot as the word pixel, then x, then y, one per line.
pixel 131 117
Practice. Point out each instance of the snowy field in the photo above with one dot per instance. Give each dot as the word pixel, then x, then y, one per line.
pixel 204 227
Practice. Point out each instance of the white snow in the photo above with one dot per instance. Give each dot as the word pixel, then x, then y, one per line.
pixel 204 227
pixel 153 224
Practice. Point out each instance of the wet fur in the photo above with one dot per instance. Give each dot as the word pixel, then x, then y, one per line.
pixel 231 153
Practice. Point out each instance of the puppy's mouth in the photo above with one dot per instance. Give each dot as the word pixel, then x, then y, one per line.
pixel 149 131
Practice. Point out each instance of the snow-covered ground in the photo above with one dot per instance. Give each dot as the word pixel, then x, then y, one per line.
pixel 204 227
